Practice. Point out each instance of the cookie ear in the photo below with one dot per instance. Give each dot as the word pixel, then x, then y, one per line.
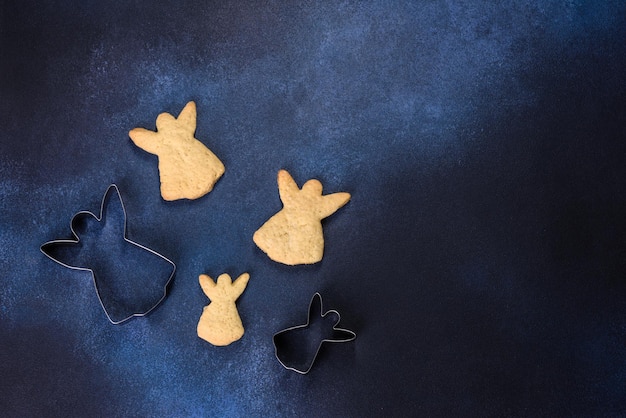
pixel 239 285
pixel 187 117
pixel 287 187
pixel 207 284
pixel 145 139
pixel 332 202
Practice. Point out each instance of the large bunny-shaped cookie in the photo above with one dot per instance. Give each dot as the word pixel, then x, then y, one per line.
pixel 294 235
pixel 187 168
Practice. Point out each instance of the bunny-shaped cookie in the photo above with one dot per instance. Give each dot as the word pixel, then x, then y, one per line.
pixel 294 235
pixel 220 323
pixel 188 169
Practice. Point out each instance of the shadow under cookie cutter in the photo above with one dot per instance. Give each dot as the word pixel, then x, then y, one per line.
pixel 296 348
pixel 130 279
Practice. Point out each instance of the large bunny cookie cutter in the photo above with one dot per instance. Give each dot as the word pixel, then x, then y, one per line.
pixel 296 348
pixel 130 279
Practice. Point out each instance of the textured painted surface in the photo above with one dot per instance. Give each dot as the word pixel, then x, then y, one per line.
pixel 480 260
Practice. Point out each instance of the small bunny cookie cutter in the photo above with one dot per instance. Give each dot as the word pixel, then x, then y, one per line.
pixel 297 347
pixel 121 300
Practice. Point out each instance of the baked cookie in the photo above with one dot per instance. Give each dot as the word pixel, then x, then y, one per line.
pixel 294 235
pixel 188 169
pixel 220 323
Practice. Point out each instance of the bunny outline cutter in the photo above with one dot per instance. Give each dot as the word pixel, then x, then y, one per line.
pixel 306 354
pixel 61 249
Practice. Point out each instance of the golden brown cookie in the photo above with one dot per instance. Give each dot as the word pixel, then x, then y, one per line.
pixel 220 323
pixel 187 168
pixel 294 235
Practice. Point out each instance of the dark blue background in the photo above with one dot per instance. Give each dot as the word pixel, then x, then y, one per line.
pixel 481 260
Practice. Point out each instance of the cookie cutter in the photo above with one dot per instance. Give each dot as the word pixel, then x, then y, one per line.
pixel 294 347
pixel 72 248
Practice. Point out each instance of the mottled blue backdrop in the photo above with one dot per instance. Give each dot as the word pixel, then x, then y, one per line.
pixel 481 260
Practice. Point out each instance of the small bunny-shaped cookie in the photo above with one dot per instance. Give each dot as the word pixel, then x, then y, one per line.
pixel 220 323
pixel 294 235
pixel 188 169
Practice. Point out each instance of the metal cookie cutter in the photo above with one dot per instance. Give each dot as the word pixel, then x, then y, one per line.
pixel 296 348
pixel 130 279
